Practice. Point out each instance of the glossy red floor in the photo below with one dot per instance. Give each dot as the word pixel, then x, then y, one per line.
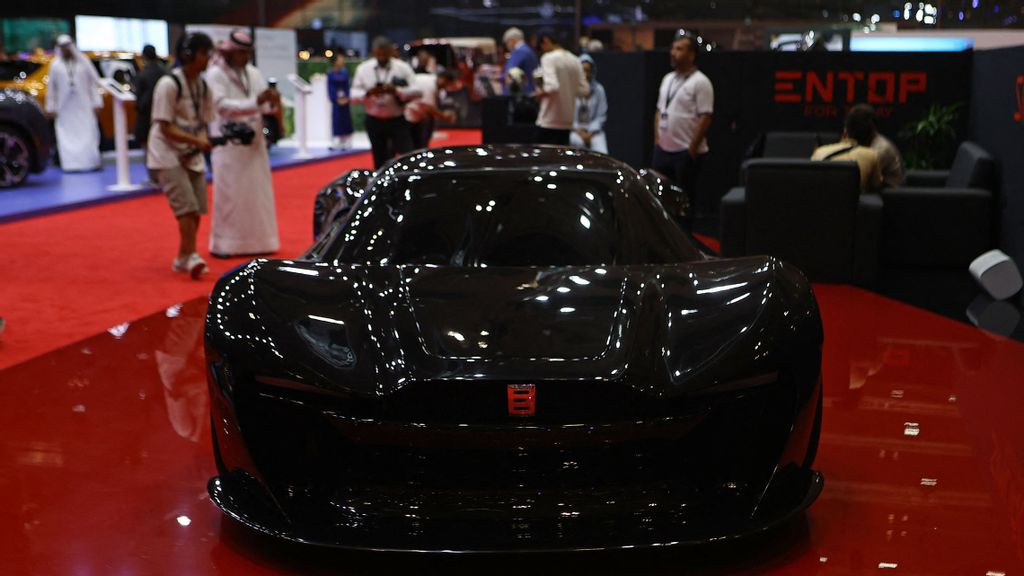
pixel 106 453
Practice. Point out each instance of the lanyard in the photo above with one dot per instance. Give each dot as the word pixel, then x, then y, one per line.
pixel 241 79
pixel 194 95
pixel 69 65
pixel 672 90
pixel 376 75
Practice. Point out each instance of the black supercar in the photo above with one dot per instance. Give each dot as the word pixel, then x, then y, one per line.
pixel 511 348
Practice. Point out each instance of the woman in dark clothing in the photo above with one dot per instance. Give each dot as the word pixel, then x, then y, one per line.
pixel 338 92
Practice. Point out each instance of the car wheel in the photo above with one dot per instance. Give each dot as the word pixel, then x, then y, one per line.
pixel 15 157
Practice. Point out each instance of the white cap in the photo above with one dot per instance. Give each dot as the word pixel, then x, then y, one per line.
pixel 64 40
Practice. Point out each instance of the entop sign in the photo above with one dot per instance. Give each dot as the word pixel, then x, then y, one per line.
pixel 823 92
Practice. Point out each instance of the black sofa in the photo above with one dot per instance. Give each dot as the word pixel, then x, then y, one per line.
pixel 809 213
pixel 942 219
pixel 796 145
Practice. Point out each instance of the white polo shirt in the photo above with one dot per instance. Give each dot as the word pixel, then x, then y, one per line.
pixel 682 100
pixel 369 74
pixel 416 111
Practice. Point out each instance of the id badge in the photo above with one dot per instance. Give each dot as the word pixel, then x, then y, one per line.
pixel 663 121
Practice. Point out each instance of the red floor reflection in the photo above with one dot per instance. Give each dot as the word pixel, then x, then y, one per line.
pixel 106 452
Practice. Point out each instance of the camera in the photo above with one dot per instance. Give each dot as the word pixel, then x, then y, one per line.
pixel 234 132
pixel 272 82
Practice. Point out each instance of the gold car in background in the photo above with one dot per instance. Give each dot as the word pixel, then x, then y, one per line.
pixel 32 75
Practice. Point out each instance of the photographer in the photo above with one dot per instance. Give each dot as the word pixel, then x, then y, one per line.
pixel 383 85
pixel 182 108
pixel 244 217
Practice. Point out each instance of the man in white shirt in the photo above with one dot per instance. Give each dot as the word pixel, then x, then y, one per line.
pixel 383 85
pixel 686 101
pixel 182 109
pixel 422 112
pixel 561 81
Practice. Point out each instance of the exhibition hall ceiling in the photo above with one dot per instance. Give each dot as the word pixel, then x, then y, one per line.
pixel 487 13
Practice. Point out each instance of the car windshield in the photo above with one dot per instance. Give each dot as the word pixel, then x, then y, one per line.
pixel 16 69
pixel 511 218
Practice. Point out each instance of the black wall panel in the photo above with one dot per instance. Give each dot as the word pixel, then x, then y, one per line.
pixel 757 92
pixel 997 124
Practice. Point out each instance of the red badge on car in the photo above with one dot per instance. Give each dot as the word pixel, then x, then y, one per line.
pixel 522 399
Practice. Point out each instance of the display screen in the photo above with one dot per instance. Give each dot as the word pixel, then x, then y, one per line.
pixel 27 34
pixel 103 33
pixel 910 44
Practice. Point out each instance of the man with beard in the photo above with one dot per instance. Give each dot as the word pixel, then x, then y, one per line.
pixel 244 216
pixel 686 101
pixel 383 84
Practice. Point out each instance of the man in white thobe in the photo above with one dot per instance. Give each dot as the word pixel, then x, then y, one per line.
pixel 72 99
pixel 244 216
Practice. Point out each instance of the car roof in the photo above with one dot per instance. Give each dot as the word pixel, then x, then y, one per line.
pixel 502 157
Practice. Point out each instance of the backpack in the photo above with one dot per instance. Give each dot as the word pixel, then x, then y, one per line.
pixel 202 87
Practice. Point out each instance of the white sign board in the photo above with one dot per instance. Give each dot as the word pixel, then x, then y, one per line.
pixel 216 32
pixel 275 56
pixel 106 34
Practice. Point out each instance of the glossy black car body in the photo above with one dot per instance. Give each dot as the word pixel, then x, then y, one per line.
pixel 359 394
pixel 24 137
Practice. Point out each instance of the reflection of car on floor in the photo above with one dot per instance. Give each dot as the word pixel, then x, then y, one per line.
pixel 511 348
pixel 24 137
pixel 31 75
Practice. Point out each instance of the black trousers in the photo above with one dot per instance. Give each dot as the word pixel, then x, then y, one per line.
pixel 552 136
pixel 683 169
pixel 421 133
pixel 388 137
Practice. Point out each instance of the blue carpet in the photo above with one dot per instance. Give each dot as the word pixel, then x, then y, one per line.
pixel 54 191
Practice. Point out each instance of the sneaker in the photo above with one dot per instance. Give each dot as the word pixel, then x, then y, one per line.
pixel 193 264
pixel 196 266
pixel 180 264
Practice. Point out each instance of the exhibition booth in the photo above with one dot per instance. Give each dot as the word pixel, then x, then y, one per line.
pixel 490 347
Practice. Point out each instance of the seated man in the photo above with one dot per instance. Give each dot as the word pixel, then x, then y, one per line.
pixel 889 160
pixel 855 145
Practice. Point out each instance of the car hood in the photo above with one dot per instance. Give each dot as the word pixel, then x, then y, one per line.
pixel 369 330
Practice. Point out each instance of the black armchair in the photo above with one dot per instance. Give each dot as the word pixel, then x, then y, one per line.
pixel 809 213
pixel 796 145
pixel 942 219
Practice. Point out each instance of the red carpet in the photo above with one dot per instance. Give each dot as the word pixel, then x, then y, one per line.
pixel 68 276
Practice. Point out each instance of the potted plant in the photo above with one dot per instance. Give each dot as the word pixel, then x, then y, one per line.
pixel 929 143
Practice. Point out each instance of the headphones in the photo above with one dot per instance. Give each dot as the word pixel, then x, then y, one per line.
pixel 186 51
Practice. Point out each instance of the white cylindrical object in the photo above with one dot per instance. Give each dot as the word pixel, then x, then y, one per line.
pixel 997 274
pixel 301 131
pixel 121 144
pixel 318 113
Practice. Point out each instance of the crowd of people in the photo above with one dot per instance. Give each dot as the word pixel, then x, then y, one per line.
pixel 182 111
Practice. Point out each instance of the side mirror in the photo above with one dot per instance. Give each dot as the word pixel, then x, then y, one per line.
pixel 336 199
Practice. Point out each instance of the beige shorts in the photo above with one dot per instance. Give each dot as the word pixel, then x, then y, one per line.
pixel 185 190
